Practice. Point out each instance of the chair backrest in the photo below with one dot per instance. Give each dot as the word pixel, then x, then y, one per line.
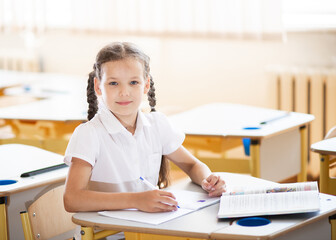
pixel 331 133
pixel 48 217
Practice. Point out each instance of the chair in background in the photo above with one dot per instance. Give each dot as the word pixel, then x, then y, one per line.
pixel 328 164
pixel 46 218
pixel 327 153
pixel 331 133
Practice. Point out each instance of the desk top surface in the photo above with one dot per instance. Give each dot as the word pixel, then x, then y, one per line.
pixel 63 108
pixel 63 96
pixel 18 158
pixel 42 85
pixel 205 224
pixel 235 120
pixel 327 146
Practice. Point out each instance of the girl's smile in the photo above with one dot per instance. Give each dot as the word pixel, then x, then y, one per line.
pixel 124 103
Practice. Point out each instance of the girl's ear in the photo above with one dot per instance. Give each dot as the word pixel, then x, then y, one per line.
pixel 147 85
pixel 96 86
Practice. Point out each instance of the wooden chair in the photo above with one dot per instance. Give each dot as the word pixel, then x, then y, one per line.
pixel 326 165
pixel 331 133
pixel 325 178
pixel 47 218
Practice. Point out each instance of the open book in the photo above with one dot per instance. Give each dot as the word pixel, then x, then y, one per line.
pixel 270 200
pixel 188 201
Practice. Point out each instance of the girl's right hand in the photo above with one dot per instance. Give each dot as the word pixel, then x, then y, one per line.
pixel 155 201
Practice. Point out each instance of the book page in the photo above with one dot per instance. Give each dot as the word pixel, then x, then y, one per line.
pixel 268 204
pixel 275 188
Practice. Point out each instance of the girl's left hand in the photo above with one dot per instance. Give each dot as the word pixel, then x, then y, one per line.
pixel 214 185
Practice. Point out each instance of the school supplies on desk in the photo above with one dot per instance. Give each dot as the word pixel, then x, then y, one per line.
pixel 43 170
pixel 279 199
pixel 188 202
pixel 287 114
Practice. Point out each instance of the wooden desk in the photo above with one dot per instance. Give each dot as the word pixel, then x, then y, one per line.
pixel 15 160
pixel 46 123
pixel 10 79
pixel 41 85
pixel 49 122
pixel 325 148
pixel 186 226
pixel 278 148
pixel 204 223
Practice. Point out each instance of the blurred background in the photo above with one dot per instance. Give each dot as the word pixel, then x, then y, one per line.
pixel 266 53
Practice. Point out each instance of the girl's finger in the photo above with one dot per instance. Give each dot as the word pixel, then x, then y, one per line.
pixel 165 193
pixel 166 207
pixel 213 179
pixel 168 201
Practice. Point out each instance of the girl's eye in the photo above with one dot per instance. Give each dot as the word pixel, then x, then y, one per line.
pixel 134 82
pixel 113 83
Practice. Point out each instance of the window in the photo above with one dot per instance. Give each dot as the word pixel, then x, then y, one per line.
pixel 309 15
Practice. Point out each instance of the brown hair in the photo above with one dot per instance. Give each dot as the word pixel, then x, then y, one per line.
pixel 114 52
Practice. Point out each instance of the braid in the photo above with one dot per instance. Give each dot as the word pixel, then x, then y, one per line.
pixel 91 96
pixel 151 95
pixel 163 180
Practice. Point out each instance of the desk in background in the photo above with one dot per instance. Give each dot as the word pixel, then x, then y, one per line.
pixel 278 148
pixel 41 85
pixel 15 160
pixel 46 123
pixel 325 148
pixel 204 223
pixel 10 79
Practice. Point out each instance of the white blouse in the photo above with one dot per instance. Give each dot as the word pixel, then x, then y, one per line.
pixel 119 158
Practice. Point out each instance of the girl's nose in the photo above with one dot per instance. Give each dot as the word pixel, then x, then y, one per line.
pixel 124 91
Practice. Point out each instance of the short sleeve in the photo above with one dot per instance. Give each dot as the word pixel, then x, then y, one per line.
pixel 171 137
pixel 83 144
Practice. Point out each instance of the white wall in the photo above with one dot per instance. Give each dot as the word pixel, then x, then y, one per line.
pixel 192 71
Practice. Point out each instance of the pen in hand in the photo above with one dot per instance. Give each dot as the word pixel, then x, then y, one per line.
pixel 145 181
pixel 151 186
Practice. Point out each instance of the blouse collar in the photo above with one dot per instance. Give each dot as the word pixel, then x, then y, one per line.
pixel 113 125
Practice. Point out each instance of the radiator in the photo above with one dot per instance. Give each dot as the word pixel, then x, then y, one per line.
pixel 19 60
pixel 308 90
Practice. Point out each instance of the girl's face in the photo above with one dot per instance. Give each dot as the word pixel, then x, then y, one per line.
pixel 122 87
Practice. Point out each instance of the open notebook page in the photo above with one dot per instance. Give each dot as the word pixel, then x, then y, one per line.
pixel 188 202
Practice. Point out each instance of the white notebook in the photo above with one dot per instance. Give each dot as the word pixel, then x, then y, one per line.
pixel 279 199
pixel 188 201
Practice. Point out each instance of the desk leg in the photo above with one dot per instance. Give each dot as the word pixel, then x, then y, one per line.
pixel 302 176
pixel 3 219
pixel 332 220
pixel 87 233
pixel 324 174
pixel 255 158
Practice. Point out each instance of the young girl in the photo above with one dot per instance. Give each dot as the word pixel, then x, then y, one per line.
pixel 119 144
